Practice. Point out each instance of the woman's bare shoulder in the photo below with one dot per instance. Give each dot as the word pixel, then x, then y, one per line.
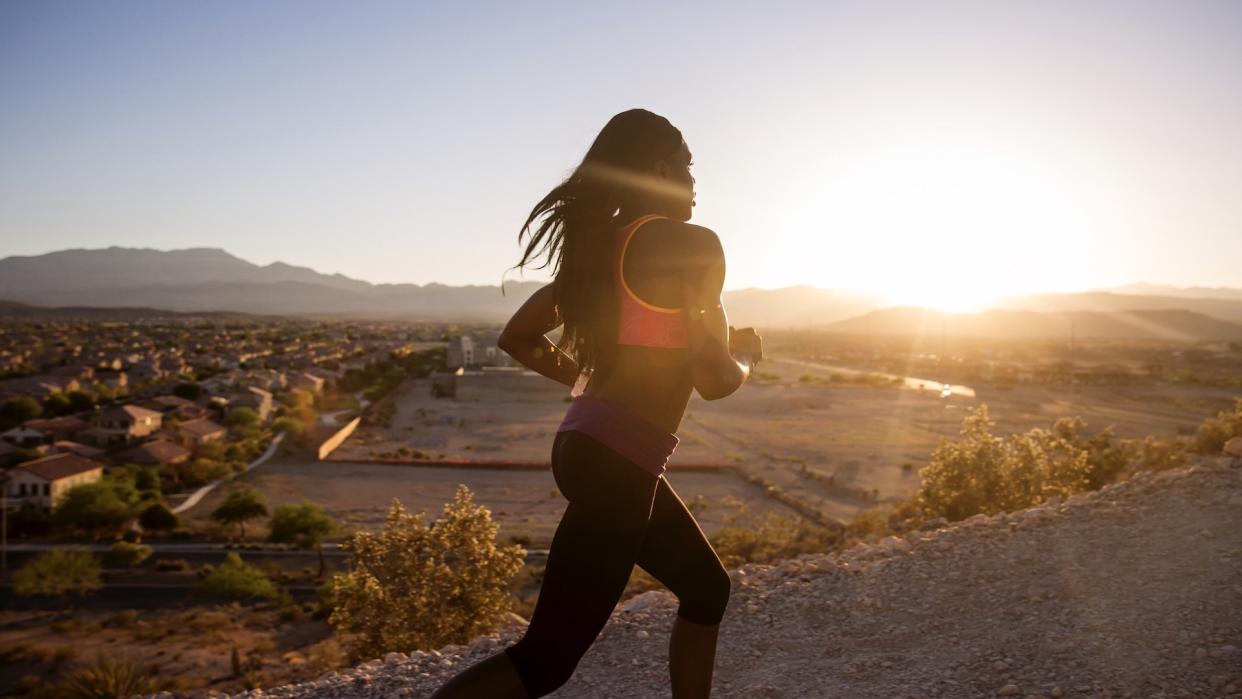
pixel 689 242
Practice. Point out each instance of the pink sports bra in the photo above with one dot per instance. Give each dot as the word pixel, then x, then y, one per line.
pixel 641 323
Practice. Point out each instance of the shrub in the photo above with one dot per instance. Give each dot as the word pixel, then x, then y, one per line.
pixel 1214 432
pixel 172 565
pixel 984 473
pixel 776 537
pixel 58 573
pixel 108 677
pixel 235 578
pixel 126 554
pixel 157 517
pixel 415 585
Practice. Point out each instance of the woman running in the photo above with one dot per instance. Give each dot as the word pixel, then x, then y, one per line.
pixel 638 291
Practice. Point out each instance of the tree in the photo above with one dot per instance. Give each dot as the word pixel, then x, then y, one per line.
pixel 80 401
pixel 15 411
pixel 158 518
pixel 414 585
pixel 242 505
pixel 146 479
pixel 58 573
pixel 56 404
pixel 188 390
pixel 242 417
pixel 304 526
pixel 106 504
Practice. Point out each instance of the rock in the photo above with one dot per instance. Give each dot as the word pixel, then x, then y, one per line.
pixel 1009 690
pixel 1233 447
pixel 644 601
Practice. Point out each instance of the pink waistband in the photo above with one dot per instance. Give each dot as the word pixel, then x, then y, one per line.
pixel 621 430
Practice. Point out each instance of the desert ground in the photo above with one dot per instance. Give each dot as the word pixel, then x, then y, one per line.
pixel 524 502
pixel 838 447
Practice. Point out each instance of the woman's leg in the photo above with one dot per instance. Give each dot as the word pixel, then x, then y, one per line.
pixel 589 563
pixel 676 552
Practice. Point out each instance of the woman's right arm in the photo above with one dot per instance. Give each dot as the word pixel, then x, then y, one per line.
pixel 715 372
pixel 524 338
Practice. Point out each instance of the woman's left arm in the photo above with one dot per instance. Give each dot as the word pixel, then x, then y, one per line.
pixel 524 338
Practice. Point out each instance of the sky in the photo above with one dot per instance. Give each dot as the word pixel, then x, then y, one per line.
pixel 948 152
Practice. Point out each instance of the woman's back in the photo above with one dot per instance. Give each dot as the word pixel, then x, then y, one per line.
pixel 653 381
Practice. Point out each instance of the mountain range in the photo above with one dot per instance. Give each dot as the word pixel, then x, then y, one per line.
pixel 212 280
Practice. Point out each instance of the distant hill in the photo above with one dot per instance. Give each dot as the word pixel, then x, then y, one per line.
pixel 208 279
pixel 11 309
pixel 1220 308
pixel 202 280
pixel 1170 325
pixel 1189 292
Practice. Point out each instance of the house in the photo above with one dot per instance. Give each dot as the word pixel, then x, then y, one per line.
pixel 175 405
pixel 74 371
pixel 43 482
pixel 24 436
pixel 124 424
pixel 254 398
pixel 83 450
pixel 306 382
pixel 195 433
pixel 470 352
pixel 157 452
pixel 64 427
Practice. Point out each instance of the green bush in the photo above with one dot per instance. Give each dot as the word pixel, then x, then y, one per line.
pixel 235 578
pixel 414 585
pixel 126 554
pixel 58 573
pixel 304 525
pixel 776 537
pixel 157 517
pixel 103 506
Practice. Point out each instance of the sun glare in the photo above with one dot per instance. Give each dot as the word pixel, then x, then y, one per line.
pixel 946 223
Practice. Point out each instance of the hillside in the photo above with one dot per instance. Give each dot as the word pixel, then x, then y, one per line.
pixel 210 279
pixel 1130 591
pixel 1164 325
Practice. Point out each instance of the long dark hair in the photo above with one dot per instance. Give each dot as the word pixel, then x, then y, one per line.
pixel 579 221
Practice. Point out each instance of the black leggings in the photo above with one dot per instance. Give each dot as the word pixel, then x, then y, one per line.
pixel 618 515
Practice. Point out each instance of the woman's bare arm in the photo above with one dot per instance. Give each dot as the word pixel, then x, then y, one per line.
pixel 524 338
pixel 715 373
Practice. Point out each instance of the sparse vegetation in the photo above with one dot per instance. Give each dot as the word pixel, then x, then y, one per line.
pixel 419 585
pixel 59 573
pixel 237 579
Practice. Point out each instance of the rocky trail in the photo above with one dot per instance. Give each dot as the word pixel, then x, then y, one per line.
pixel 1132 591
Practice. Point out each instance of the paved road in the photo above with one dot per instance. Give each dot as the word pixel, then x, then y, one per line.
pixel 203 491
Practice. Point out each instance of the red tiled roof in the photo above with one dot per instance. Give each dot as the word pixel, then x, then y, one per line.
pixel 132 411
pixel 155 452
pixel 58 466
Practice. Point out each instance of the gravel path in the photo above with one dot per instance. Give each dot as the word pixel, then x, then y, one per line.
pixel 1134 591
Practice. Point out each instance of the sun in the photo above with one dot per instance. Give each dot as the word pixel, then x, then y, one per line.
pixel 950 222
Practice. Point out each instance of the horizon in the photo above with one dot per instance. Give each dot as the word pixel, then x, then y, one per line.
pixel 889 303
pixel 941 156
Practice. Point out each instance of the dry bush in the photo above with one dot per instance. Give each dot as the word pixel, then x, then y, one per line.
pixel 775 538
pixel 420 586
pixel 1214 432
pixel 985 473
